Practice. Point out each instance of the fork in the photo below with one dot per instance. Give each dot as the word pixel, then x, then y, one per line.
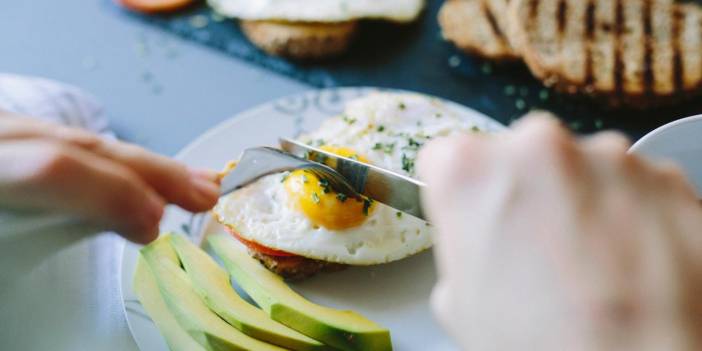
pixel 261 161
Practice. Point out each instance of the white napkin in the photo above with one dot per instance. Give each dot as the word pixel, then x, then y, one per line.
pixel 52 101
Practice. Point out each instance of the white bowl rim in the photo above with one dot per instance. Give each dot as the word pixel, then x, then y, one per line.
pixel 654 133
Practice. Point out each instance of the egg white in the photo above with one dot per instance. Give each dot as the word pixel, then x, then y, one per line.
pixel 405 120
pixel 262 212
pixel 319 10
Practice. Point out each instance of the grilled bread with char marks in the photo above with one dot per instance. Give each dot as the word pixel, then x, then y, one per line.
pixel 634 53
pixel 478 27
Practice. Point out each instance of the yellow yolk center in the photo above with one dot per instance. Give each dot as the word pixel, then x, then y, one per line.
pixel 343 152
pixel 321 204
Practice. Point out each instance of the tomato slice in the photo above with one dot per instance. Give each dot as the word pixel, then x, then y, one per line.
pixel 258 247
pixel 155 6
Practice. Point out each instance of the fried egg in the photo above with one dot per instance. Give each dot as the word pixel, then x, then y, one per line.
pixel 297 212
pixel 319 10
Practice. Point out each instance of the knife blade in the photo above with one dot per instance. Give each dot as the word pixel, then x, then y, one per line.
pixel 390 188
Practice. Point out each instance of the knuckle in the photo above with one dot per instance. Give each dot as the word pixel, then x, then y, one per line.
pixel 548 141
pixel 614 141
pixel 82 139
pixel 55 164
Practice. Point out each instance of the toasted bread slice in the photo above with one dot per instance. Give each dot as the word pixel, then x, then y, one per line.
pixel 301 40
pixel 295 267
pixel 636 53
pixel 477 27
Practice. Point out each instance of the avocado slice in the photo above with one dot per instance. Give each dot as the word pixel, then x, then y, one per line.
pixel 213 286
pixel 150 297
pixel 203 325
pixel 345 330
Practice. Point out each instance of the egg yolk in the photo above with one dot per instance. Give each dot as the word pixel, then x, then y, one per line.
pixel 322 205
pixel 341 151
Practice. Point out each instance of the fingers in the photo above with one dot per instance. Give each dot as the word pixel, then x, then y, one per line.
pixel 194 190
pixel 66 178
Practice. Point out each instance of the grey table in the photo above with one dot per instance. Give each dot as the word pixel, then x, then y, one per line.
pixel 159 92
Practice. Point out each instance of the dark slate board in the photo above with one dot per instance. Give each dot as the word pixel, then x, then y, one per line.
pixel 414 57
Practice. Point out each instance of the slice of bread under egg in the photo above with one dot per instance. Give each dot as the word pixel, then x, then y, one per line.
pixel 308 29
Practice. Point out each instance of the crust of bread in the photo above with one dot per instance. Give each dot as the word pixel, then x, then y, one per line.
pixel 294 268
pixel 475 28
pixel 627 53
pixel 301 40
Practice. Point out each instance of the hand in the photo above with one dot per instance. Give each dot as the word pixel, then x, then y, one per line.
pixel 117 186
pixel 546 242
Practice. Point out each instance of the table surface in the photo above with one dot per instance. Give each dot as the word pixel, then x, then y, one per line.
pixel 159 92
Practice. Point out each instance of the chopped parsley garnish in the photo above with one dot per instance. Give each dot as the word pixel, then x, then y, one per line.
pixel 325 185
pixel 366 205
pixel 320 142
pixel 381 128
pixel 398 214
pixel 315 198
pixel 387 148
pixel 354 157
pixel 402 106
pixel 304 178
pixel 474 129
pixel 438 115
pixel 407 164
pixel 348 119
pixel 285 177
pixel 341 197
pixel 412 144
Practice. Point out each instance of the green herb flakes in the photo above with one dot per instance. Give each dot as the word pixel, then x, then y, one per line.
pixel 348 119
pixel 599 123
pixel 407 164
pixel 398 214
pixel 381 129
pixel 325 185
pixel 341 197
pixel 543 95
pixel 315 198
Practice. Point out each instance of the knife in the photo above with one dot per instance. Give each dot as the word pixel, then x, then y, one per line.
pixel 390 188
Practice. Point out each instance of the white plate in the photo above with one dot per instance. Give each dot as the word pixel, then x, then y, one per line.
pixel 394 295
pixel 680 142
